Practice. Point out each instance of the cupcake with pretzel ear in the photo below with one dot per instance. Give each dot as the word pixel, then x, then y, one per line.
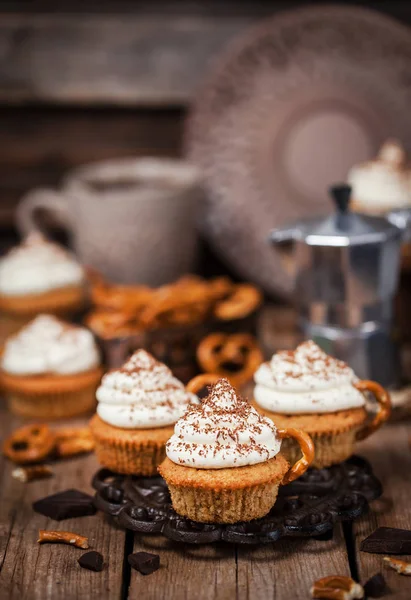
pixel 138 405
pixel 223 461
pixel 308 389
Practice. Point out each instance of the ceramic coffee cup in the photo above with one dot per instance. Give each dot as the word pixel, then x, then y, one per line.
pixel 131 219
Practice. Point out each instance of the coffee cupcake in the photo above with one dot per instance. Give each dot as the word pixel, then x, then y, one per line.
pixel 321 395
pixel 38 276
pixel 50 369
pixel 223 463
pixel 138 405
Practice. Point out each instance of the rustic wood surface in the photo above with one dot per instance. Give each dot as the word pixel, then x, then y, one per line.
pixel 280 571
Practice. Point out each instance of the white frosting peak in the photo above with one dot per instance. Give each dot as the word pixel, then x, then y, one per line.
pixel 224 431
pixel 305 381
pixel 382 184
pixel 48 345
pixel 37 266
pixel 142 394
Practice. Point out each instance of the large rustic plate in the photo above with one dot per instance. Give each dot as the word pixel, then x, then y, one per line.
pixel 285 113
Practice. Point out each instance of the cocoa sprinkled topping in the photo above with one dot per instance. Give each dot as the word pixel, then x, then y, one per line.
pixel 224 427
pixel 305 362
pixel 143 393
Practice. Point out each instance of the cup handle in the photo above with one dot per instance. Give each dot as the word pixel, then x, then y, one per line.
pixel 200 381
pixel 41 199
pixel 307 448
pixel 384 407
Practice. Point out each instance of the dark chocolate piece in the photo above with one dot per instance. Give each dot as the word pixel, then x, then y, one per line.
pixel 144 562
pixel 376 586
pixel 93 561
pixel 65 505
pixel 388 540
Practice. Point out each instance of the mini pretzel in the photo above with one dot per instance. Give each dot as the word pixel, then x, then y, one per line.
pixel 108 324
pixel 239 350
pixel 174 305
pixel 242 302
pixel 29 444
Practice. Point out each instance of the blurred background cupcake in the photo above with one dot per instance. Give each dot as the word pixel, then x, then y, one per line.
pixel 50 369
pixel 38 276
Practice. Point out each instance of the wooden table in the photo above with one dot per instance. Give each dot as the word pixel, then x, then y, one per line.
pixel 282 571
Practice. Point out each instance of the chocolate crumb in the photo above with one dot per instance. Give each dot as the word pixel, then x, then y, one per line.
pixel 93 561
pixel 376 586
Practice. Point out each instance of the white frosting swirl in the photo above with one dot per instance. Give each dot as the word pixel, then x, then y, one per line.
pixel 224 431
pixel 48 345
pixel 143 394
pixel 383 184
pixel 37 266
pixel 305 381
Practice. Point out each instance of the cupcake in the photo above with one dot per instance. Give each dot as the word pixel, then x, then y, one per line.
pixel 38 276
pixel 50 369
pixel 382 184
pixel 223 463
pixel 138 405
pixel 321 395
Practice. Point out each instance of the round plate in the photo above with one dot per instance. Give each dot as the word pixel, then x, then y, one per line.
pixel 308 507
pixel 286 112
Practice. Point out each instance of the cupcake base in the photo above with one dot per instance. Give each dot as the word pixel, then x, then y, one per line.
pixel 224 495
pixel 51 396
pixel 333 434
pixel 130 451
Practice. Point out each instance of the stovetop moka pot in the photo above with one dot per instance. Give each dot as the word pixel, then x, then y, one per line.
pixel 346 276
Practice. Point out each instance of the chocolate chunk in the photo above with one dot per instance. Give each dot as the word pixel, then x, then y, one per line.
pixel 65 505
pixel 388 540
pixel 93 561
pixel 144 562
pixel 376 586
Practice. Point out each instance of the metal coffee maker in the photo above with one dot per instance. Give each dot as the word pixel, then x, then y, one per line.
pixel 346 275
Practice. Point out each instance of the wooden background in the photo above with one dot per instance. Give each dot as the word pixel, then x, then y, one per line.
pixel 87 80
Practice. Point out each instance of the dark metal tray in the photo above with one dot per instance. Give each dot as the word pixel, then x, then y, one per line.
pixel 308 507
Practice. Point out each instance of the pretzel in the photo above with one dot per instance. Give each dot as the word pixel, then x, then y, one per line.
pixel 236 356
pixel 183 303
pixel 130 298
pixel 29 444
pixel 244 299
pixel 71 441
pixel 401 566
pixel 108 324
pixel 337 587
pixel 62 537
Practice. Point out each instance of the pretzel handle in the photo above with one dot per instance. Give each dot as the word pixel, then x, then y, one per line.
pixel 200 381
pixel 384 407
pixel 307 448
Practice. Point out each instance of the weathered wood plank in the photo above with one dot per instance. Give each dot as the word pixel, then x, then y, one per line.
pixel 51 572
pixel 389 453
pixel 187 572
pixel 288 568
